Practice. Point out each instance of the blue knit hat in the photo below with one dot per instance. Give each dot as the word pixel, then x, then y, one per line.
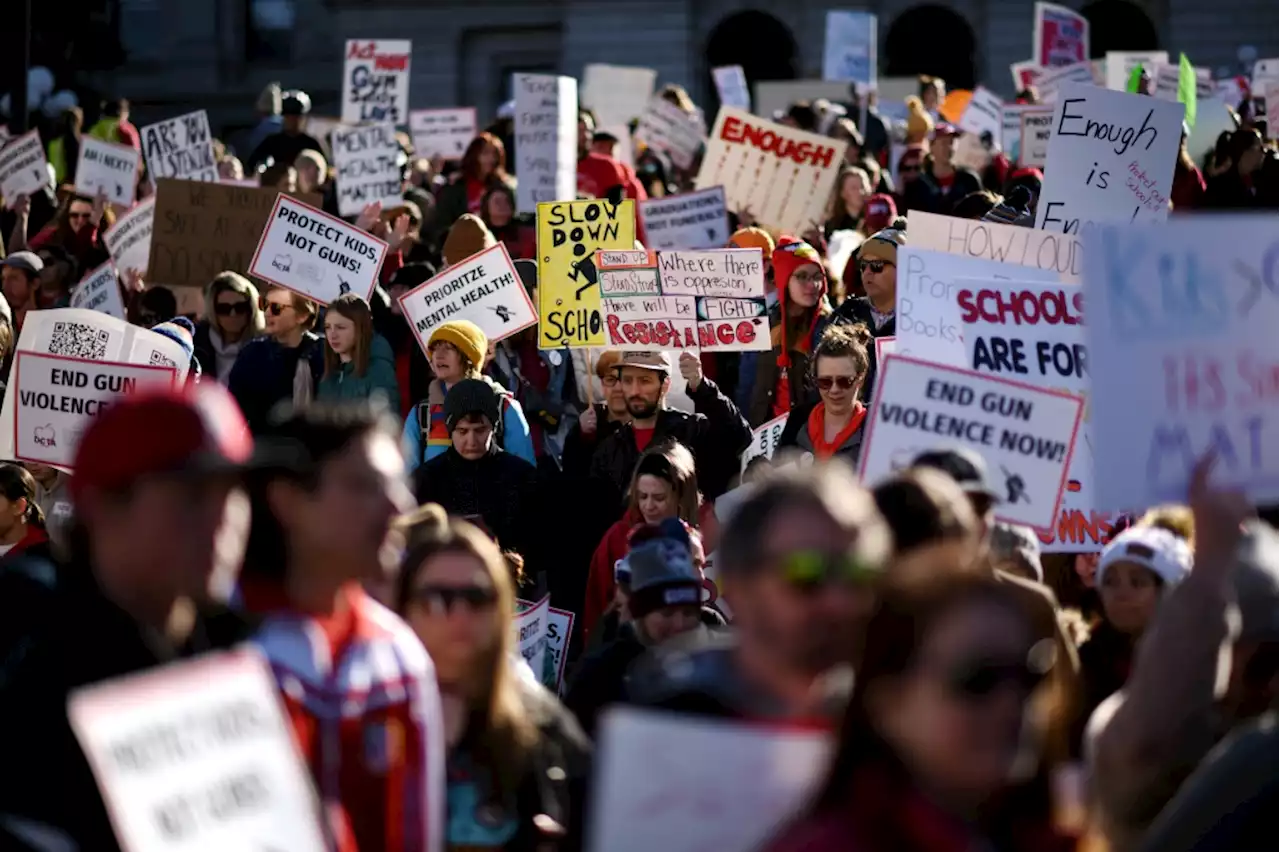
pixel 662 574
pixel 182 332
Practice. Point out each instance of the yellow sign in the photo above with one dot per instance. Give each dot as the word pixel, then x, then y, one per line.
pixel 569 234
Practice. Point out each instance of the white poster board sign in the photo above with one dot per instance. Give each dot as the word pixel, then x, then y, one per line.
pixel 108 167
pixel 1182 332
pixel 546 137
pixel 1057 253
pixel 764 440
pixel 57 398
pixel 128 241
pixel 99 291
pixel 1026 74
pixel 375 81
pixel 1060 36
pixel 1035 128
pixel 1052 80
pixel 1111 158
pixel 180 147
pixel 1120 65
pixel 782 175
pixel 442 132
pixel 485 289
pixel 617 94
pixel 885 346
pixel 731 86
pixel 1023 433
pixel 693 220
pixel 23 167
pixel 728 288
pixel 558 631
pixel 316 255
pixel 365 160
pixel 680 783
pixel 670 130
pixel 849 51
pixel 198 755
pixel 1273 109
pixel 530 626
pixel 984 114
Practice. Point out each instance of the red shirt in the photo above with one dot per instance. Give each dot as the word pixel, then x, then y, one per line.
pixel 643 438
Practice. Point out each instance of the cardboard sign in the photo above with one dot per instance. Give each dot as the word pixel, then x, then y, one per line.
pixel 1120 65
pixel 1111 158
pixel 1025 434
pixel 849 51
pixel 58 396
pixel 375 81
pixel 316 255
pixel 615 93
pixel 1056 253
pixel 198 755
pixel 1060 36
pixel 485 289
pixel 530 626
pixel 100 291
pixel 782 175
pixel 694 220
pixel 442 132
pixel 180 147
pixel 1026 74
pixel 1052 80
pixel 681 783
pixel 670 130
pixel 731 86
pixel 202 229
pixel 108 167
pixel 23 167
pixel 128 241
pixel 569 235
pixel 546 134
pixel 764 441
pixel 1035 128
pixel 984 114
pixel 365 160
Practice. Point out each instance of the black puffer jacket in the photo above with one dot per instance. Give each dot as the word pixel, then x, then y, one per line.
pixel 499 488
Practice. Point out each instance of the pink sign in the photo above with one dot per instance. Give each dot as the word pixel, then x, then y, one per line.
pixel 1061 36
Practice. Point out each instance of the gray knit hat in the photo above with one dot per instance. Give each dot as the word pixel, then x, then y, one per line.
pixel 468 397
pixel 662 574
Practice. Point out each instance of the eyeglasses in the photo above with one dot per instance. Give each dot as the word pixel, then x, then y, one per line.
pixel 277 308
pixel 810 277
pixel 226 309
pixel 810 570
pixel 442 599
pixel 609 381
pixel 843 382
pixel 876 266
pixel 979 679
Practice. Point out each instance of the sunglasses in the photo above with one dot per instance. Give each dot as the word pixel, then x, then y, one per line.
pixel 226 309
pixel 826 383
pixel 79 215
pixel 442 599
pixel 276 308
pixel 810 570
pixel 979 679
pixel 876 266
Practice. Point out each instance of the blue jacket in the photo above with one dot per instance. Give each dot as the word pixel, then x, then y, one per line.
pixel 263 375
pixel 515 429
pixel 380 377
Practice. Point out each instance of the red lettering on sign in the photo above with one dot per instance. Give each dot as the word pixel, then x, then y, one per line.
pixel 1021 307
pixel 765 138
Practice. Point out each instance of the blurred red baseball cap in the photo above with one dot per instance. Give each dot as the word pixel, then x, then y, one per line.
pixel 194 429
pixel 878 212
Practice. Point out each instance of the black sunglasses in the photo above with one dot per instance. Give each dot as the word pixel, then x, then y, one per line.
pixel 876 266
pixel 226 309
pixel 275 308
pixel 980 678
pixel 844 382
pixel 442 599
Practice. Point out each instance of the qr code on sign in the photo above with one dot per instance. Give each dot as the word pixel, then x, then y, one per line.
pixel 159 360
pixel 74 340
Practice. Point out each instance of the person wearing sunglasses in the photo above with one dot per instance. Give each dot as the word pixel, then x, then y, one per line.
pixel 942 745
pixel 518 762
pixel 877 260
pixel 799 562
pixel 76 228
pixel 233 317
pixel 285 364
pixel 832 427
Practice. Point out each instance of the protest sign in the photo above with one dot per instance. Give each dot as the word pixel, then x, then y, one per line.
pixel 484 289
pixel 668 129
pixel 365 160
pixel 442 132
pixel 1024 433
pixel 615 93
pixel 180 147
pixel 1052 80
pixel 685 784
pixel 1011 128
pixel 530 626
pixel 770 96
pixel 316 255
pixel 569 235
pixel 1026 74
pixel 764 441
pixel 928 323
pixel 1263 70
pixel 58 396
pixel 984 114
pixel 1182 331
pixel 731 86
pixel 107 167
pixel 782 175
pixel 546 136
pixel 128 241
pixel 849 52
pixel 693 220
pixel 375 81
pixel 1120 65
pixel 1036 126
pixel 728 288
pixel 1044 250
pixel 557 632
pixel 23 167
pixel 1110 158
pixel 1060 36
pixel 885 346
pixel 1273 110
pixel 99 290
pixel 198 755
pixel 634 311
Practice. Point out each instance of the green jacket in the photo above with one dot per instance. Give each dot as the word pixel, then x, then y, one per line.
pixel 381 376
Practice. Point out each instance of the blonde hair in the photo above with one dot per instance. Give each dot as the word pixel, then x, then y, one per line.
pixel 1174 518
pixel 234 282
pixel 304 306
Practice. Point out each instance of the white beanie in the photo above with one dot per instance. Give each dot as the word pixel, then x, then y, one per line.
pixel 1161 552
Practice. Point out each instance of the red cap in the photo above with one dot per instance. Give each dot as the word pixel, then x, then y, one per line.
pixel 193 428
pixel 878 212
pixel 943 128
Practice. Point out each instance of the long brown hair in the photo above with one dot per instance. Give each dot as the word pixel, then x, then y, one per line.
pixel 471 159
pixel 499 730
pixel 63 235
pixel 672 463
pixel 356 309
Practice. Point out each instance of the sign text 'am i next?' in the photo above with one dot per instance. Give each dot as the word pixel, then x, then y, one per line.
pixel 375 81
pixel 107 168
pixel 485 289
pixel 365 159
pixel 569 235
pixel 316 255
pixel 180 147
pixel 1023 433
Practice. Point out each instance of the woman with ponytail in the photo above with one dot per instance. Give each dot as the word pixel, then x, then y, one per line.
pixel 22 529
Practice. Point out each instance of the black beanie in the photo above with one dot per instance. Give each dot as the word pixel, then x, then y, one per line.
pixel 468 397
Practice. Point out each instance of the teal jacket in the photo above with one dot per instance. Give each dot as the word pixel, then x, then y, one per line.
pixel 380 377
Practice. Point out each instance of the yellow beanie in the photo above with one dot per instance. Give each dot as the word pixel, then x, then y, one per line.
pixel 753 238
pixel 466 337
pixel 919 122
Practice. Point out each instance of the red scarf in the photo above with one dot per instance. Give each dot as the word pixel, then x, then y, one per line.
pixel 822 448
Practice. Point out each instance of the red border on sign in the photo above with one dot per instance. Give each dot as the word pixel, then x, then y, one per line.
pixel 879 344
pixel 17 389
pixel 341 222
pixel 650 263
pixel 883 373
pixel 439 275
